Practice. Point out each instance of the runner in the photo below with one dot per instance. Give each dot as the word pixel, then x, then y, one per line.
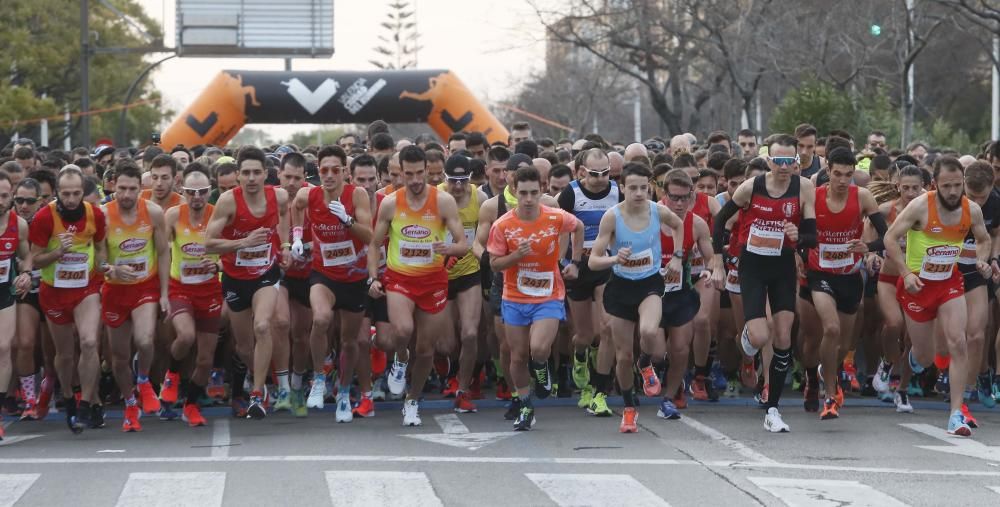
pixel 67 244
pixel 163 170
pixel 195 292
pixel 338 216
pixel 14 258
pixel 135 289
pixel 246 228
pixel 464 279
pixel 30 323
pixel 936 225
pixel 778 217
pixel 705 207
pixel 524 245
pixel 834 266
pixel 636 286
pixel 415 284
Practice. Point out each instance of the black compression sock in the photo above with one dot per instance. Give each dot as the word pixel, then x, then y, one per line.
pixel 780 364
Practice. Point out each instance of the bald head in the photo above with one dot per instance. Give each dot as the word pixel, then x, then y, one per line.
pixel 635 150
pixel 680 144
pixel 596 159
pixel 966 160
pixel 403 143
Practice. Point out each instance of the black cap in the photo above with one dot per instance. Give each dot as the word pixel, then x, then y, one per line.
pixel 458 166
pixel 516 160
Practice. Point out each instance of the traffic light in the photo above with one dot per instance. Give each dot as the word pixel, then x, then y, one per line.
pixel 876 30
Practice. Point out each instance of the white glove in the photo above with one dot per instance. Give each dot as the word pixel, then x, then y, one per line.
pixel 338 210
pixel 297 242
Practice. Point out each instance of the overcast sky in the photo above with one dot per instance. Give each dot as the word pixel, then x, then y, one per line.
pixel 469 37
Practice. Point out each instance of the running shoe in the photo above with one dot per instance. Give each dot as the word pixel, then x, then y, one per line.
pixel 851 372
pixel 586 396
pixel 74 423
pixel 503 390
pixel 378 389
pixel 829 410
pixel 344 413
pixel 697 388
pixel 732 389
pixel 774 423
pixel 525 419
pixel 96 416
pixel 171 383
pixel 239 407
pixel 902 402
pixel 581 370
pixel 167 413
pixel 651 385
pixel 283 401
pixel 915 367
pixel 317 393
pixel 798 376
pixel 543 381
pixel 463 403
pixel 718 377
pixel 599 407
pixel 1 429
pixel 748 374
pixel 476 386
pixel 839 397
pixel 883 376
pixel 411 413
pixel 984 386
pixel 971 421
pixel 192 415
pixel 915 389
pixel 365 408
pixel 680 401
pixel 216 384
pixel 957 425
pixel 130 419
pixel 996 387
pixel 256 409
pixel 761 396
pixel 810 397
pixel 943 384
pixel 513 409
pixel 450 388
pixel 630 418
pixel 668 410
pixel 397 378
pixel 30 412
pixel 148 399
pixel 44 397
pixel 886 397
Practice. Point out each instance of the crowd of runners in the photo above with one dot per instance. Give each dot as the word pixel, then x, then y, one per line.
pixel 286 278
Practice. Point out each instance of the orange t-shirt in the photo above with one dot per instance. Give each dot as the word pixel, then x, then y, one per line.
pixel 536 278
pixel 175 198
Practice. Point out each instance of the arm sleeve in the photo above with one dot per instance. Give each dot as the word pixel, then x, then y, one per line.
pixel 719 225
pixel 878 222
pixel 807 233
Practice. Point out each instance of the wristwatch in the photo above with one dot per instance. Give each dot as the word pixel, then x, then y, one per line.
pixel 679 254
pixel 350 222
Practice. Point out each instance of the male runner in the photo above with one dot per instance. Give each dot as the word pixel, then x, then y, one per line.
pixel 135 289
pixel 338 216
pixel 29 314
pixel 936 225
pixel 14 258
pixel 778 216
pixel 67 243
pixel 195 292
pixel 705 207
pixel 524 245
pixel 246 228
pixel 636 286
pixel 415 284
pixel 163 170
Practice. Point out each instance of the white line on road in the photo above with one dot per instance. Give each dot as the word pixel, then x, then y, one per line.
pixel 823 493
pixel 351 488
pixel 957 445
pixel 14 486
pixel 220 438
pixel 995 489
pixel 597 490
pixel 203 489
pixel 451 424
pixel 733 445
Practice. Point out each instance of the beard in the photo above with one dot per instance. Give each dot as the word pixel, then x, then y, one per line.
pixel 949 206
pixel 70 215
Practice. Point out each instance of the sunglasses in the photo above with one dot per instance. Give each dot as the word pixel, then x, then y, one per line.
pixel 458 179
pixel 599 173
pixel 25 200
pixel 197 191
pixel 679 198
pixel 330 170
pixel 784 161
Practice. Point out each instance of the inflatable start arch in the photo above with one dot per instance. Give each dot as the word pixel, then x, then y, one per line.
pixel 235 98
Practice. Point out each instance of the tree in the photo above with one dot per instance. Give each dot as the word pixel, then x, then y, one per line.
pixel 401 46
pixel 41 57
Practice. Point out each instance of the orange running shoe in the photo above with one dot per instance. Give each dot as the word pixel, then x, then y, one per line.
pixel 44 398
pixel 651 385
pixel 629 418
pixel 829 410
pixel 378 360
pixel 476 388
pixel 679 400
pixel 192 415
pixel 1 429
pixel 450 388
pixel 365 408
pixel 130 422
pixel 971 421
pixel 147 397
pixel 748 374
pixel 168 391
pixel 463 403
pixel 30 412
pixel 697 388
pixel 839 398
pixel 503 392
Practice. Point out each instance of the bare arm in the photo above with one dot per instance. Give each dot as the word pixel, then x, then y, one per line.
pixel 599 259
pixel 23 247
pixel 449 213
pixel 225 209
pixel 299 205
pixel 362 215
pixel 911 215
pixel 487 215
pixel 162 245
pixel 384 218
pixel 676 225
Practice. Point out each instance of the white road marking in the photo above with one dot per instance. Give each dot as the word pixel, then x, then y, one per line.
pixel 14 486
pixel 13 439
pixel 220 438
pixel 455 434
pixel 733 445
pixel 824 493
pixel 451 424
pixel 111 451
pixel 595 489
pixel 962 446
pixel 351 488
pixel 204 489
pixel 995 489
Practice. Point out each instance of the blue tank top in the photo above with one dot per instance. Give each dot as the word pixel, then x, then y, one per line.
pixel 590 211
pixel 645 259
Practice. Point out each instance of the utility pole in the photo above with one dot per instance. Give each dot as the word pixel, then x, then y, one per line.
pixel 85 72
pixel 995 130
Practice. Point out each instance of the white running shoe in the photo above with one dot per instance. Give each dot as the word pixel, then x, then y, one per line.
pixel 773 422
pixel 378 389
pixel 397 377
pixel 902 402
pixel 882 377
pixel 411 413
pixel 317 393
pixel 344 413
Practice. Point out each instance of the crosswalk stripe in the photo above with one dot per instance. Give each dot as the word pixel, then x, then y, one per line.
pixel 996 489
pixel 163 489
pixel 822 493
pixel 595 489
pixel 14 486
pixel 381 488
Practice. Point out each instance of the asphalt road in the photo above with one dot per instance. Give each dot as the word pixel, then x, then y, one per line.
pixel 717 454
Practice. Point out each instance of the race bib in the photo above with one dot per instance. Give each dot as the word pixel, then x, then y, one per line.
pixel 938 262
pixel 193 272
pixel 588 246
pixel 5 270
pixel 733 281
pixel 968 255
pixel 637 263
pixel 71 275
pixel 763 241
pixel 139 265
pixel 338 254
pixel 470 236
pixel 415 254
pixel 697 262
pixel 535 283
pixel 254 256
pixel 835 256
pixel 671 281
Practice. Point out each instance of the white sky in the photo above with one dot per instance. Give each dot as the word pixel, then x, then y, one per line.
pixel 469 37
